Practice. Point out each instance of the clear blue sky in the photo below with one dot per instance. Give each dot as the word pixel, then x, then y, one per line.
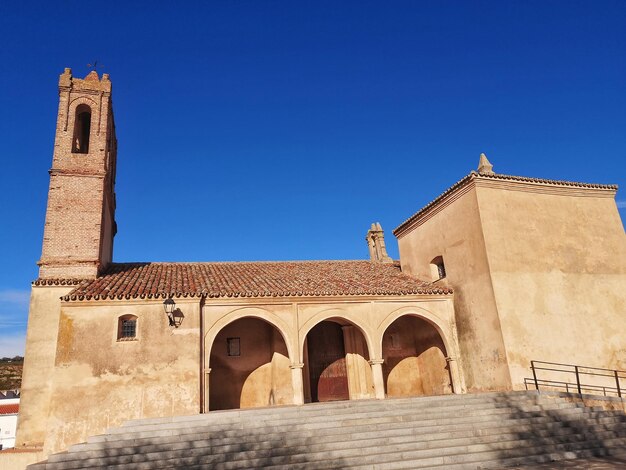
pixel 267 130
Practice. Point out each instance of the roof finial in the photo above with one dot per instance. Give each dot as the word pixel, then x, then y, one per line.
pixel 484 166
pixel 376 243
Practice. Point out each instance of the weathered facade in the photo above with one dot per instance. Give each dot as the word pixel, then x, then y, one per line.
pixel 487 273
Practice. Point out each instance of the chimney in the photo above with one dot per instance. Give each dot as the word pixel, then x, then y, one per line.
pixel 376 243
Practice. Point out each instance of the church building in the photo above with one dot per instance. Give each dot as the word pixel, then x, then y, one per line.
pixel 496 271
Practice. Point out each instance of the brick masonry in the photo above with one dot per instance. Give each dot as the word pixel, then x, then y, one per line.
pixel 80 217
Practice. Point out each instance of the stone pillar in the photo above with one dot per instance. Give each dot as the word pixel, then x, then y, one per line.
pixel 296 381
pixel 455 377
pixel 359 376
pixel 377 375
pixel 207 381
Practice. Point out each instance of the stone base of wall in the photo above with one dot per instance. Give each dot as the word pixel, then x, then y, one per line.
pixel 606 403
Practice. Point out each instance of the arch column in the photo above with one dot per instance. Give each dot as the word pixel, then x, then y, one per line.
pixel 205 407
pixel 297 384
pixel 457 383
pixel 377 377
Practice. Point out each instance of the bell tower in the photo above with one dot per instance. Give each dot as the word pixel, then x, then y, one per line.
pixel 80 216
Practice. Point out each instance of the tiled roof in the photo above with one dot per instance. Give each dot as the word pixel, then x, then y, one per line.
pixel 251 279
pixel 473 175
pixel 9 409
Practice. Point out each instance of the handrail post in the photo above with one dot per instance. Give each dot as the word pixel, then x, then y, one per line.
pixel 532 366
pixel 619 390
pixel 578 380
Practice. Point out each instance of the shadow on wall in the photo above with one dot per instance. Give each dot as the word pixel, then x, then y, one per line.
pixel 249 367
pixel 415 359
pixel 551 433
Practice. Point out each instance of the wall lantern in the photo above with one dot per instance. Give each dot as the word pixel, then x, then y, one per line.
pixel 174 315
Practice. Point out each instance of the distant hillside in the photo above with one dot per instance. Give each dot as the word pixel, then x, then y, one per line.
pixel 11 372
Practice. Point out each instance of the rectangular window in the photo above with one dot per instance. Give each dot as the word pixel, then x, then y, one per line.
pixel 129 329
pixel 232 345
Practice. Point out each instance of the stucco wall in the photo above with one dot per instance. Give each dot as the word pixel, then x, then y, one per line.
pixel 453 230
pixel 155 375
pixel 415 359
pixel 41 337
pixel 558 267
pixel 258 376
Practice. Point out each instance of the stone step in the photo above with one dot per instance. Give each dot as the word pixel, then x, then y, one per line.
pixel 528 425
pixel 263 427
pixel 433 440
pixel 471 455
pixel 330 435
pixel 331 408
pixel 472 431
pixel 270 442
pixel 464 410
pixel 279 456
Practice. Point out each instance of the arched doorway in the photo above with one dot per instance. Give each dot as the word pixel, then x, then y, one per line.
pixel 414 359
pixel 249 366
pixel 336 363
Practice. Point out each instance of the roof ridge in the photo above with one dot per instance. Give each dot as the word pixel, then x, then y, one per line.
pixel 190 263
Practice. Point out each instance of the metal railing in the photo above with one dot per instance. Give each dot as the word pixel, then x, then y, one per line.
pixel 609 382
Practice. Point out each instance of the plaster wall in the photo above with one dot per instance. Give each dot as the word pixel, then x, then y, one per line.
pixel 155 375
pixel 558 267
pixel 415 359
pixel 258 376
pixel 39 359
pixel 453 230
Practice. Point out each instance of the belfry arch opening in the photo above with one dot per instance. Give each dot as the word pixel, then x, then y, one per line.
pixel 414 357
pixel 249 366
pixel 336 363
pixel 82 129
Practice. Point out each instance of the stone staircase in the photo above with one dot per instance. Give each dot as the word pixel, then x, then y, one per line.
pixel 491 430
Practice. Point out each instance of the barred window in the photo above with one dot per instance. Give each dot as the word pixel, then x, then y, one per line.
pixel 127 328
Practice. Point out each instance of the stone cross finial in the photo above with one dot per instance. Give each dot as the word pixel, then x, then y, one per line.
pixel 376 243
pixel 484 166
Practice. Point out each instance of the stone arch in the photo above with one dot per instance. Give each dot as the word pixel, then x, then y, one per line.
pixel 253 312
pixel 445 331
pixel 335 349
pixel 338 313
pixel 416 354
pixel 249 361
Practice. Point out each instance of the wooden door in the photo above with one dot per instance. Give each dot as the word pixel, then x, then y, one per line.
pixel 327 363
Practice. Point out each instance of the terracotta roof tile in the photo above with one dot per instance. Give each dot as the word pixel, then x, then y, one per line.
pixel 9 409
pixel 251 279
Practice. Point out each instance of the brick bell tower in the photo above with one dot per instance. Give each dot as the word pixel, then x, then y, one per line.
pixel 80 217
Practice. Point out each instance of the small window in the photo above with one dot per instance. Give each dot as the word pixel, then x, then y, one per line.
pixel 437 268
pixel 82 129
pixel 127 328
pixel 233 346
